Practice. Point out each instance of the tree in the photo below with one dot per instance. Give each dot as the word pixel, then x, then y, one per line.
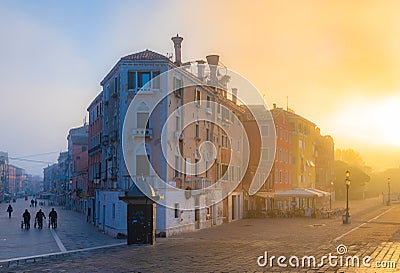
pixel 350 157
pixel 358 177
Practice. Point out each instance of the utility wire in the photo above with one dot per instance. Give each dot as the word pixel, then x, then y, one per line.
pixel 35 155
pixel 31 160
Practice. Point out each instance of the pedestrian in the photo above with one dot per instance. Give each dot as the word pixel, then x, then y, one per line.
pixel 53 218
pixel 27 219
pixel 32 203
pixel 9 210
pixel 35 203
pixel 39 218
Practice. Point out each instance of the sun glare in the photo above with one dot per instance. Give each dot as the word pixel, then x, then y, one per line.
pixel 370 121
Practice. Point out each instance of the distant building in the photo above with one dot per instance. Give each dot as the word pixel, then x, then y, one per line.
pixel 78 167
pixel 63 178
pixel 303 150
pixel 50 178
pixel 3 174
pixel 95 110
pixel 324 162
pixel 12 179
pixel 34 182
pixel 281 173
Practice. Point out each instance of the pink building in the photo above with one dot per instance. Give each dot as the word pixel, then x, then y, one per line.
pixel 78 153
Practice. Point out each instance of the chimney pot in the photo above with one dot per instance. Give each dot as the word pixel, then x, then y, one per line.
pixel 200 69
pixel 212 61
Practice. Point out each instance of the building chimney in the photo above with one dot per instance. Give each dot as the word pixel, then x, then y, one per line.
pixel 212 61
pixel 200 69
pixel 178 51
pixel 234 95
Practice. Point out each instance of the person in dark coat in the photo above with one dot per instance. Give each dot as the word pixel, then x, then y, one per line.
pixel 27 219
pixel 9 210
pixel 53 218
pixel 39 218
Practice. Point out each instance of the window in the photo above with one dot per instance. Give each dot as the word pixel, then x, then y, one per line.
pixel 107 95
pixel 286 177
pixel 198 96
pixel 131 80
pixel 178 90
pixel 177 166
pixel 197 130
pixel 116 84
pixel 176 212
pixel 177 123
pixel 224 171
pixel 113 211
pixel 142 165
pixel 208 134
pixel 83 148
pixel 143 78
pixel 264 130
pixel 156 79
pixel 188 168
pixel 264 155
pixel 142 120
pixel 280 176
pixel 232 173
pixel 196 167
pixel 208 102
pixel 207 164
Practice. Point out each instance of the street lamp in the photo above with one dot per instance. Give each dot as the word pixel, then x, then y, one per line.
pixel 347 182
pixel 330 197
pixel 388 203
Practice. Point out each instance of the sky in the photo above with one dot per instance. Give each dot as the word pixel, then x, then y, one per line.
pixel 334 62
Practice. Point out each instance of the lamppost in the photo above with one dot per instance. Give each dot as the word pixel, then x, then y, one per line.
pixel 330 197
pixel 388 203
pixel 347 182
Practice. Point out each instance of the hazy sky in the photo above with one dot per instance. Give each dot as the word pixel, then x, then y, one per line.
pixel 337 61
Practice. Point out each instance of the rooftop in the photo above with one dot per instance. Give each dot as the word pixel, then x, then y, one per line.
pixel 145 55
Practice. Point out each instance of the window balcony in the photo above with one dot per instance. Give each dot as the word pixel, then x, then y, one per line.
pixel 142 132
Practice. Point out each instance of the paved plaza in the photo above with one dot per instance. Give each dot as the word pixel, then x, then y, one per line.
pixel 72 233
pixel 234 247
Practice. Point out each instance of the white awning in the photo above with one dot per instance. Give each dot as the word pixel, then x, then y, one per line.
pixel 298 192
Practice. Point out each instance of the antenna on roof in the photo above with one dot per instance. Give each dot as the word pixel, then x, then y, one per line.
pixel 84 121
pixel 287 103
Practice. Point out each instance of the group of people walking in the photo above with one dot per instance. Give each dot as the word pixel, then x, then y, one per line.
pixel 26 216
pixel 26 223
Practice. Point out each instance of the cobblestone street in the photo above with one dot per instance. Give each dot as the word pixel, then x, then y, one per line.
pixel 235 247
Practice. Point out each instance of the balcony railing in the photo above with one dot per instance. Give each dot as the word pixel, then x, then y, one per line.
pixel 142 132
